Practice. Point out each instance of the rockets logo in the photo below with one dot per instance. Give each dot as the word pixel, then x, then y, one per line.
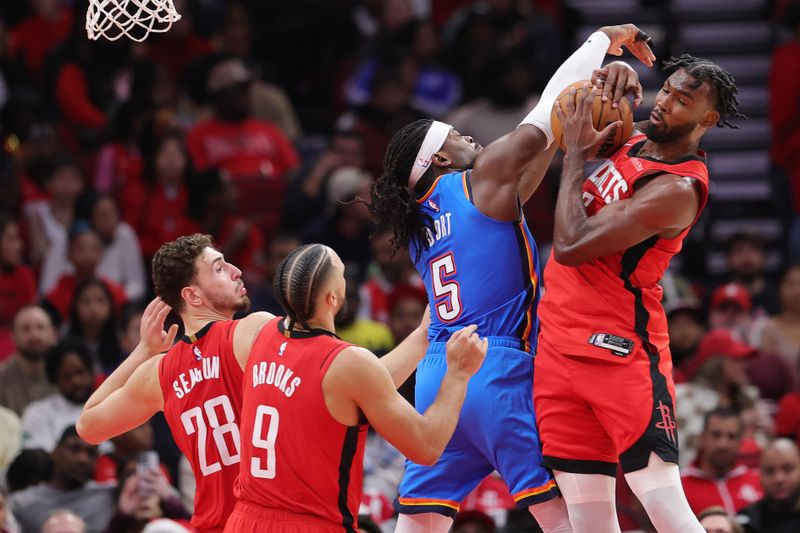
pixel 667 422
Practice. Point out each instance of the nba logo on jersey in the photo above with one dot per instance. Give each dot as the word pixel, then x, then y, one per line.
pixel 197 353
pixel 281 349
pixel 433 206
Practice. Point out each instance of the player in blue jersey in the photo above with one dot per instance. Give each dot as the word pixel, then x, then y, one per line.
pixel 458 209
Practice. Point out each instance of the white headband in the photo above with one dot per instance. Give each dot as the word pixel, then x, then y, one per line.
pixel 433 142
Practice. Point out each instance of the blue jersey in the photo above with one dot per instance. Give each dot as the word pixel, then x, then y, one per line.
pixel 477 270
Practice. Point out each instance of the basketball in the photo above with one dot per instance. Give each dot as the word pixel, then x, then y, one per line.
pixel 602 115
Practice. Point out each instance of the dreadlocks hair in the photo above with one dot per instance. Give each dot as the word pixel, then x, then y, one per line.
pixel 725 90
pixel 393 206
pixel 298 280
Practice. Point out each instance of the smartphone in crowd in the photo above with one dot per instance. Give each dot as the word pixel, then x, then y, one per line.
pixel 147 462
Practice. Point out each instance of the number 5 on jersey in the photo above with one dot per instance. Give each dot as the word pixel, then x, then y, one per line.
pixel 446 290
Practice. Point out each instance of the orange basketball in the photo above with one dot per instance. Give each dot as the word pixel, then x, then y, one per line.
pixel 602 115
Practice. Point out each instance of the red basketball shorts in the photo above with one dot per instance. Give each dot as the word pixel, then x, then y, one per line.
pixel 248 518
pixel 593 414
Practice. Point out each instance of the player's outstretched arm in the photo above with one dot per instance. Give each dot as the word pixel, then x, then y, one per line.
pixel 513 166
pixel 663 206
pixel 402 361
pixel 153 340
pixel 125 408
pixel 357 381
pixel 246 332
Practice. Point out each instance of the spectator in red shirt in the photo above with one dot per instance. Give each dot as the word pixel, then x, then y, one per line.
pixel 73 89
pixel 17 283
pixel 784 115
pixel 36 36
pixel 787 419
pixel 232 140
pixel 119 161
pixel 407 305
pixel 715 479
pixel 85 252
pixel 389 270
pixel 164 191
pixel 268 101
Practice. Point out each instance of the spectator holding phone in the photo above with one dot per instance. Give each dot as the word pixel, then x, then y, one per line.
pixel 145 495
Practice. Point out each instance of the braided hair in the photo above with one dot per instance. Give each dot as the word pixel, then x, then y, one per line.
pixel 704 70
pixel 393 207
pixel 298 280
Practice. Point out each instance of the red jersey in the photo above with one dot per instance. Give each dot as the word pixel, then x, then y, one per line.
pixel 60 298
pixel 734 491
pixel 609 307
pixel 250 148
pixel 295 456
pixel 202 386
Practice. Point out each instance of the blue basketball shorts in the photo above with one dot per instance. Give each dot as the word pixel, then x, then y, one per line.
pixel 496 431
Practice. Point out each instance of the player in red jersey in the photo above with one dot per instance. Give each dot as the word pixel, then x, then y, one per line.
pixel 308 396
pixel 198 382
pixel 603 387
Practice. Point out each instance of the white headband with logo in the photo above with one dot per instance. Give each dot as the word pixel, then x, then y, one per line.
pixel 433 142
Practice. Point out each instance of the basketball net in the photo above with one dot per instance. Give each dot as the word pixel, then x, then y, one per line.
pixel 134 18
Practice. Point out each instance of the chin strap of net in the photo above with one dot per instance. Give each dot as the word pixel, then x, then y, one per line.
pixel 134 18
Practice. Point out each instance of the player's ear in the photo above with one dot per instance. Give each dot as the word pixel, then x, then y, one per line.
pixel 192 295
pixel 332 299
pixel 710 119
pixel 441 160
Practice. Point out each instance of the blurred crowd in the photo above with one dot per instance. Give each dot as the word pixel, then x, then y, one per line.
pixel 264 124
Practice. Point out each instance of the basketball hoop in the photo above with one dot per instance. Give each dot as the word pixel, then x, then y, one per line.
pixel 134 18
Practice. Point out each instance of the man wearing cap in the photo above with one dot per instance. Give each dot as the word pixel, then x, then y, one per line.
pixel 730 309
pixel 719 378
pixel 715 478
pixel 458 209
pixel 232 140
